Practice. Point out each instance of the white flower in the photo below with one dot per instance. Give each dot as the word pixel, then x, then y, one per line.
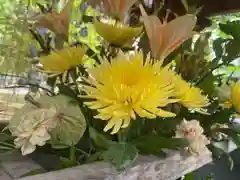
pixel 193 132
pixel 27 141
pixel 33 129
pixel 189 129
pixel 198 145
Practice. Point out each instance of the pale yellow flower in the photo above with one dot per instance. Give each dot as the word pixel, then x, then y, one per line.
pixel 193 132
pixel 199 145
pixel 63 60
pixel 189 129
pixel 190 97
pixel 28 140
pixel 126 87
pixel 235 96
pixel 33 129
pixel 55 119
pixel 117 33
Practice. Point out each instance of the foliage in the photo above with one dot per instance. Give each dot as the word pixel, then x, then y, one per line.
pixel 15 38
pixel 150 102
pixel 127 154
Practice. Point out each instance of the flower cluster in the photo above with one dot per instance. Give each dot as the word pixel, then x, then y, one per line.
pixel 132 83
pixel 33 129
pixel 193 132
pixel 56 119
pixel 128 87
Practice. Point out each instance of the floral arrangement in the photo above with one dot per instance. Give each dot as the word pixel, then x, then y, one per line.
pixel 146 86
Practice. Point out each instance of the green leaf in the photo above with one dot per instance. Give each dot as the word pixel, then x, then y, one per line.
pixel 6 137
pixel 56 145
pixel 189 176
pixel 230 162
pixel 99 139
pixel 152 144
pixel 209 177
pixel 231 134
pixel 208 84
pixel 222 145
pixel 231 68
pixel 66 90
pixel 94 157
pixel 185 4
pixel 221 116
pixel 33 172
pixel 72 124
pixel 4 149
pixel 232 49
pixel 216 151
pixel 218 46
pixel 231 28
pixel 66 163
pixel 219 149
pixel 122 155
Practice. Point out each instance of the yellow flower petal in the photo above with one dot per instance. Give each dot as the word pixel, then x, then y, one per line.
pixel 103 116
pixel 117 35
pixel 117 126
pixel 235 96
pixel 118 96
pixel 61 61
pixel 111 123
pixel 126 123
pixel 190 97
pixel 163 113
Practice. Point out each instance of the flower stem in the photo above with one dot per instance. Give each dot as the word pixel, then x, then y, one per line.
pixel 72 153
pixel 122 136
pixel 83 152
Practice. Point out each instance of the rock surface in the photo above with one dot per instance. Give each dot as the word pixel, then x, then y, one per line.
pixel 13 165
pixel 146 168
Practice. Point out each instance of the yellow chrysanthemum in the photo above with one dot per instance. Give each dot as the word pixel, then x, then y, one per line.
pixel 235 96
pixel 117 34
pixel 190 97
pixel 126 87
pixel 61 61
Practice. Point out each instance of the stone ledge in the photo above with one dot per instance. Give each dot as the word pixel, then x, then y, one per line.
pixel 171 168
pixel 95 171
pixel 146 168
pixel 13 165
pixel 4 175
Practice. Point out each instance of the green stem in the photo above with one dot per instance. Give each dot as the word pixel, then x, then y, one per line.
pixel 119 137
pixel 7 144
pixel 205 75
pixel 72 153
pixel 122 136
pixel 83 152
